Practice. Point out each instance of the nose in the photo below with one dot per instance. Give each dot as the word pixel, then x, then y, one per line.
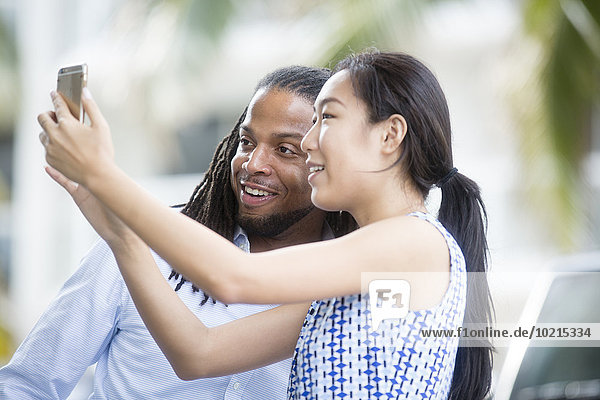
pixel 258 162
pixel 310 140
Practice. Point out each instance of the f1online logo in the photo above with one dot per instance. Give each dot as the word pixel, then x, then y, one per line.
pixel 389 299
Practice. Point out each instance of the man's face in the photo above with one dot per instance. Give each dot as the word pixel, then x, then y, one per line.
pixel 269 172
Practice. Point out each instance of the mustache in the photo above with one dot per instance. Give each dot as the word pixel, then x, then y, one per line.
pixel 257 180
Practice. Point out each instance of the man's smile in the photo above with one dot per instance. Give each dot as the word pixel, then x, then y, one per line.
pixel 254 195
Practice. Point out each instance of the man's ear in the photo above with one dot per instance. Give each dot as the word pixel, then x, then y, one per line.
pixel 394 130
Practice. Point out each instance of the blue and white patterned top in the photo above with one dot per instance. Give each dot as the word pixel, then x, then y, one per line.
pixel 339 355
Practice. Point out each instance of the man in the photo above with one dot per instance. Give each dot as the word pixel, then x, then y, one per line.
pixel 255 194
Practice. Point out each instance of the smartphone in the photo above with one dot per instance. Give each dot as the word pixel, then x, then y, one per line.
pixel 70 84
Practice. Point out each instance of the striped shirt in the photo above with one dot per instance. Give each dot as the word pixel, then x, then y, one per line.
pixel 94 320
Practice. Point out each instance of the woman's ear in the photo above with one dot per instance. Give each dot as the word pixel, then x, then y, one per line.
pixel 394 130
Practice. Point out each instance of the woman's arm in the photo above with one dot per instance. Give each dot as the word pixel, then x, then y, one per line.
pixel 193 350
pixel 292 275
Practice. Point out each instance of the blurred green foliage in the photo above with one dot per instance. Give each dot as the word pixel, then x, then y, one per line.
pixel 9 87
pixel 371 23
pixel 557 122
pixel 6 346
pixel 9 100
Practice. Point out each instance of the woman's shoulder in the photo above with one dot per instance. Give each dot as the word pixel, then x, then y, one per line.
pixel 417 248
pixel 416 227
pixel 404 233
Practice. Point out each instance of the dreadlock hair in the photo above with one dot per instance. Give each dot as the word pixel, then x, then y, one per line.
pixel 213 202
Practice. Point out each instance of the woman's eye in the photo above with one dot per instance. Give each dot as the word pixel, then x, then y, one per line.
pixel 327 116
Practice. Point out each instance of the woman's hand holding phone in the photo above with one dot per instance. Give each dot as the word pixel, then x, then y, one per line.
pixel 75 149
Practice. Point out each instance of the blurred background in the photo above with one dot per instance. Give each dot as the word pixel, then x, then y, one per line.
pixel 522 79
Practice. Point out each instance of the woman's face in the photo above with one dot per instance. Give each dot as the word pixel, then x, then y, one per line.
pixel 341 149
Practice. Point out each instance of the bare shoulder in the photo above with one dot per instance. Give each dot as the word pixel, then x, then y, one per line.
pixel 412 248
pixel 409 238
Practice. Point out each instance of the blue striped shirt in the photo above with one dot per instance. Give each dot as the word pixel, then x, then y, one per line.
pixel 94 320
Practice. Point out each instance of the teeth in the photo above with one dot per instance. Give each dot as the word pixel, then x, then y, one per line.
pixel 256 192
pixel 315 169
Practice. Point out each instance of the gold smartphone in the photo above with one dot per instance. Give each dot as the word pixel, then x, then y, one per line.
pixel 70 84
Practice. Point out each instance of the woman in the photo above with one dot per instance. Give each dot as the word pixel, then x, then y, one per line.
pixel 380 141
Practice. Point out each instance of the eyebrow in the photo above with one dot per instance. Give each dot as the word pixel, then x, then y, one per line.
pixel 279 135
pixel 326 100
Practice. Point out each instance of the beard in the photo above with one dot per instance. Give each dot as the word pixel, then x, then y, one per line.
pixel 271 225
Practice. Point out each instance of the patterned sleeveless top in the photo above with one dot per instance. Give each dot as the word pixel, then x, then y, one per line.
pixel 339 355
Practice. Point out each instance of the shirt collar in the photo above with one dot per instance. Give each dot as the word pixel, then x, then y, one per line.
pixel 327 232
pixel 240 238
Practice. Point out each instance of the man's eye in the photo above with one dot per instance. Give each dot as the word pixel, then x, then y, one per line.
pixel 245 142
pixel 327 116
pixel 285 150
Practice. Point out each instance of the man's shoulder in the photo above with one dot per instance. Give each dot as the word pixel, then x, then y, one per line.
pixel 100 259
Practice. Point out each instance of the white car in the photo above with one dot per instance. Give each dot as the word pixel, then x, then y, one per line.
pixel 561 370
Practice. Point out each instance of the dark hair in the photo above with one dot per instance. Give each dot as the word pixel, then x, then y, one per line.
pixel 396 83
pixel 213 202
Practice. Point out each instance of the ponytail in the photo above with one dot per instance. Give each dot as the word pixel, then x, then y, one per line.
pixel 396 83
pixel 463 214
